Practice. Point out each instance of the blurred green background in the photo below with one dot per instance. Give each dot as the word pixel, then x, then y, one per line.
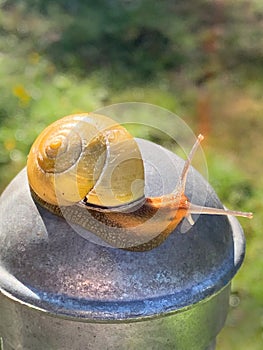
pixel 201 59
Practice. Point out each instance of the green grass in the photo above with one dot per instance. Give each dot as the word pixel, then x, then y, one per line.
pixel 34 91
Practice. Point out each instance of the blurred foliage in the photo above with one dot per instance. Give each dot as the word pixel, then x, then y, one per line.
pixel 201 59
pixel 140 39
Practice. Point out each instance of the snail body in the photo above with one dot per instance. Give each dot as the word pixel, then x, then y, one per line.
pixel 89 169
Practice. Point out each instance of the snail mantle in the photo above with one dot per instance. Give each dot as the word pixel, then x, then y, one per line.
pixel 51 276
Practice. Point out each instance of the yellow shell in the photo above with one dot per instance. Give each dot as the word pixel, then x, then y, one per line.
pixel 86 155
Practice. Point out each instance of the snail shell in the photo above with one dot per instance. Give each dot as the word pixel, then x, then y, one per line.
pixel 86 156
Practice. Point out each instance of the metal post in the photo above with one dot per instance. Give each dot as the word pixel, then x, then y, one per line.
pixel 59 290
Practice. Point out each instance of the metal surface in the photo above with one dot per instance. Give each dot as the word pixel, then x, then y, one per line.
pixel 192 329
pixel 61 291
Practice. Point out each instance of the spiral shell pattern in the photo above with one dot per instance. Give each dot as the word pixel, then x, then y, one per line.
pixel 86 155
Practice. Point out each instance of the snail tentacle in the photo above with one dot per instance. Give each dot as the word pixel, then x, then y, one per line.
pixel 197 209
pixel 180 187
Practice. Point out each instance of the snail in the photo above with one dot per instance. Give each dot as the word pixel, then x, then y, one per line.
pixel 89 169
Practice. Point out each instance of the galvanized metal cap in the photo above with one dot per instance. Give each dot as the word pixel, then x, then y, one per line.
pixel 47 265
